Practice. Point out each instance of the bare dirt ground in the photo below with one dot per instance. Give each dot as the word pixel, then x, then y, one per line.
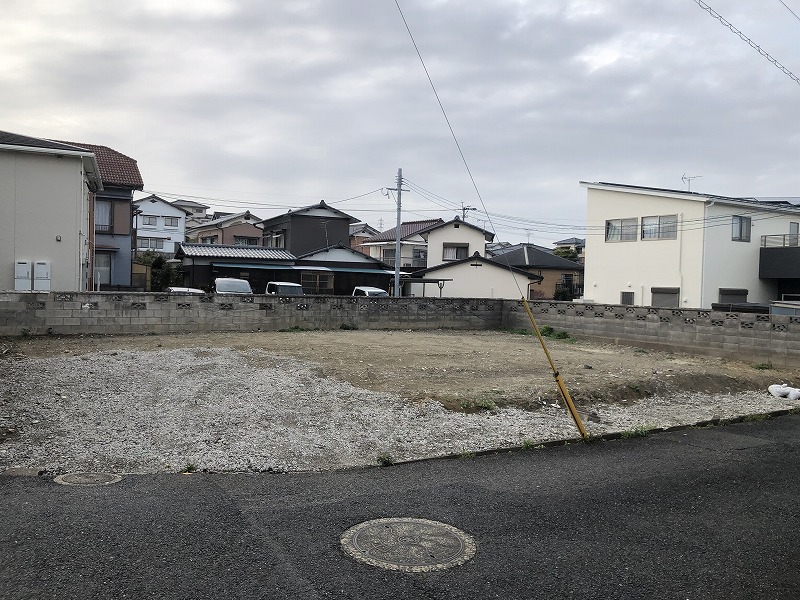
pixel 464 371
pixel 319 400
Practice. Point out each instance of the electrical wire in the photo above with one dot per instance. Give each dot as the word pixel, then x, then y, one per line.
pixel 750 42
pixel 789 9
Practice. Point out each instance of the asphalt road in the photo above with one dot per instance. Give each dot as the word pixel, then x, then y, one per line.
pixel 694 514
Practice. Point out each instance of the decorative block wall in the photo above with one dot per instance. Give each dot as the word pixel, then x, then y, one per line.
pixel 743 336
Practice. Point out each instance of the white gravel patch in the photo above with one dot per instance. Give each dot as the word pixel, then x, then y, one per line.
pixel 248 410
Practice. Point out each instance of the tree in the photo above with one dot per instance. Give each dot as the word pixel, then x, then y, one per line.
pixel 567 253
pixel 162 273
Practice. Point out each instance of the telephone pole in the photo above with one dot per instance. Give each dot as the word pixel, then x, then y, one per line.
pixel 399 189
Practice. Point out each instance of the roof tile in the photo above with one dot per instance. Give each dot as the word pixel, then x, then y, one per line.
pixel 116 169
pixel 227 251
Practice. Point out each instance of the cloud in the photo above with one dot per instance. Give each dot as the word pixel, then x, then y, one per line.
pixel 255 102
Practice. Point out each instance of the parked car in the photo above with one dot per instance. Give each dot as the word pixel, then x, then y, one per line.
pixel 230 286
pixel 365 290
pixel 184 290
pixel 284 288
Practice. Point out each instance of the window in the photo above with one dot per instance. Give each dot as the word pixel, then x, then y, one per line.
pixel 794 231
pixel 239 240
pixel 314 282
pixel 387 255
pixel 103 222
pixel 212 239
pixel 454 252
pixel 149 220
pixel 144 243
pixel 626 298
pixel 621 230
pixel 170 221
pixel 275 239
pixel 664 227
pixel 420 257
pixel 740 229
pixel 102 269
pixel 665 297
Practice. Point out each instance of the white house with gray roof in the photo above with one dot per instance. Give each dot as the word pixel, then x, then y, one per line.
pixel 671 248
pixel 160 225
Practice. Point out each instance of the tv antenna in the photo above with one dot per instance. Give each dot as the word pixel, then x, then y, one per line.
pixel 688 180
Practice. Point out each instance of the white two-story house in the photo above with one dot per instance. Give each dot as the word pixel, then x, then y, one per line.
pixel 458 266
pixel 47 193
pixel 670 248
pixel 160 225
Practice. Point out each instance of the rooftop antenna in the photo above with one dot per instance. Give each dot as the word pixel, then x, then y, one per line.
pixel 688 180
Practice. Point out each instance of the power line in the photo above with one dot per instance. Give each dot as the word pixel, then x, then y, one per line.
pixel 441 106
pixel 789 9
pixel 750 42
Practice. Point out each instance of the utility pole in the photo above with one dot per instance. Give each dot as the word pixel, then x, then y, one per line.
pixel 464 210
pixel 399 189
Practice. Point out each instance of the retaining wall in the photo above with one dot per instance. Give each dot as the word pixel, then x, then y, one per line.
pixel 743 336
pixel 31 313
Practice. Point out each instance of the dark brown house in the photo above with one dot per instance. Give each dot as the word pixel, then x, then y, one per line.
pixel 307 229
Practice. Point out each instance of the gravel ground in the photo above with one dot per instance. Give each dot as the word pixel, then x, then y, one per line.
pixel 249 409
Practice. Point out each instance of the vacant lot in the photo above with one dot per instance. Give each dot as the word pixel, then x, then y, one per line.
pixel 456 368
pixel 330 399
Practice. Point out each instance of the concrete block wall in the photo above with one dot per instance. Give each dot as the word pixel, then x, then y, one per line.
pixel 70 313
pixel 742 336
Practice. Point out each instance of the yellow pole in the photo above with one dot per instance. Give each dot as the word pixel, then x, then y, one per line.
pixel 556 375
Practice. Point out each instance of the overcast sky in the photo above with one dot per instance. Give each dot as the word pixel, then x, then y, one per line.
pixel 267 105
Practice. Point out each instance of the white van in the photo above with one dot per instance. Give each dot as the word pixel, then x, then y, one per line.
pixel 230 286
pixel 365 290
pixel 284 288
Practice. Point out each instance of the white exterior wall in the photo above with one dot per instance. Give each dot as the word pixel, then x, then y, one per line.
pixel 449 234
pixel 703 258
pixel 407 247
pixel 41 197
pixel 486 281
pixel 160 210
pixel 637 266
pixel 733 264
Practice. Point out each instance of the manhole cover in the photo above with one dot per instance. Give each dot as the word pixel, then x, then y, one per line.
pixel 87 479
pixel 406 544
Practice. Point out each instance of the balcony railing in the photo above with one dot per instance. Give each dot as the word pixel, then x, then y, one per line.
pixel 780 241
pixel 101 228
